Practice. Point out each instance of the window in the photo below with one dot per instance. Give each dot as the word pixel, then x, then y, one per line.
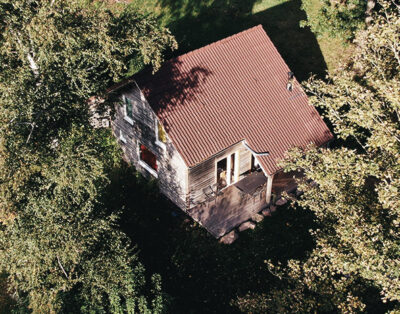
pixel 148 160
pixel 128 107
pixel 161 136
pixel 233 168
pixel 122 137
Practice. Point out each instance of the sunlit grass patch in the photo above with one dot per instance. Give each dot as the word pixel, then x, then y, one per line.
pixel 263 5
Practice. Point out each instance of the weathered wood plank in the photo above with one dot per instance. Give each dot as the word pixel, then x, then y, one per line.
pixel 172 171
pixel 204 174
pixel 182 185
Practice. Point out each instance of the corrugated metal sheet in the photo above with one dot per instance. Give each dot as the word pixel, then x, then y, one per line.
pixel 229 91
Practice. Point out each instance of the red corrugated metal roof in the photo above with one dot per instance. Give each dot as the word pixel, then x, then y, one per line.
pixel 229 91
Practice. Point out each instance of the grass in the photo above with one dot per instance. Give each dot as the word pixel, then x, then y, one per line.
pixel 196 23
pixel 334 50
pixel 260 6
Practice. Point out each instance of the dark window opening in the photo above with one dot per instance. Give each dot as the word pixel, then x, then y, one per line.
pixel 221 173
pixel 148 157
pixel 232 170
pixel 128 107
pixel 255 166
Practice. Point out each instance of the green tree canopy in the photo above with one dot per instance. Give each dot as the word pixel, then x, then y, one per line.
pixel 353 189
pixel 58 244
pixel 335 18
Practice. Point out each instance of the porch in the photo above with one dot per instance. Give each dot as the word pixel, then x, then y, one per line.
pixel 228 208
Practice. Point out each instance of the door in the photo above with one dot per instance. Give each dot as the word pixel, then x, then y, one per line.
pixel 221 173
pixel 227 170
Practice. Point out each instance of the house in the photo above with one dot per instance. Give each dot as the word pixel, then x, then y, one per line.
pixel 211 125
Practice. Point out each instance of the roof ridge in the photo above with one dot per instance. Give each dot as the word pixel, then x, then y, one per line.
pixel 249 30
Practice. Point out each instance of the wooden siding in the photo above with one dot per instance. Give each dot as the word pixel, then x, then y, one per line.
pixel 172 170
pixel 285 181
pixel 204 174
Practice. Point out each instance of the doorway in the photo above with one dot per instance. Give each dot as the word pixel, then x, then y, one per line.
pixel 227 170
pixel 255 166
pixel 221 173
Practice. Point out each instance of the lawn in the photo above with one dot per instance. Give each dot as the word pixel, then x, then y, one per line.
pixel 196 23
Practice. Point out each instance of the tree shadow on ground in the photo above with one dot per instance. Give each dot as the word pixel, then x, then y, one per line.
pixel 200 274
pixel 196 23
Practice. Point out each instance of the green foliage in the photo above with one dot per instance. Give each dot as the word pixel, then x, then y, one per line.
pixel 200 274
pixel 59 244
pixel 55 55
pixel 353 190
pixel 63 241
pixel 335 18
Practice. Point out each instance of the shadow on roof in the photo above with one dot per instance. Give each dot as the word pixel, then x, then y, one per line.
pixel 183 83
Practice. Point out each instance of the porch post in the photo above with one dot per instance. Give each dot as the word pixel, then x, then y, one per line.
pixel 268 192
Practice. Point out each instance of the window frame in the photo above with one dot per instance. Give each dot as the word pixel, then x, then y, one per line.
pixel 158 142
pixel 236 169
pixel 122 138
pixel 126 117
pixel 144 164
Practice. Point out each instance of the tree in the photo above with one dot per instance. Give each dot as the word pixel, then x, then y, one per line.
pixel 58 243
pixel 337 18
pixel 353 189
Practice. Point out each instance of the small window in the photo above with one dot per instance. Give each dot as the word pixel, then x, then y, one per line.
pixel 161 135
pixel 122 137
pixel 148 159
pixel 128 107
pixel 128 110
